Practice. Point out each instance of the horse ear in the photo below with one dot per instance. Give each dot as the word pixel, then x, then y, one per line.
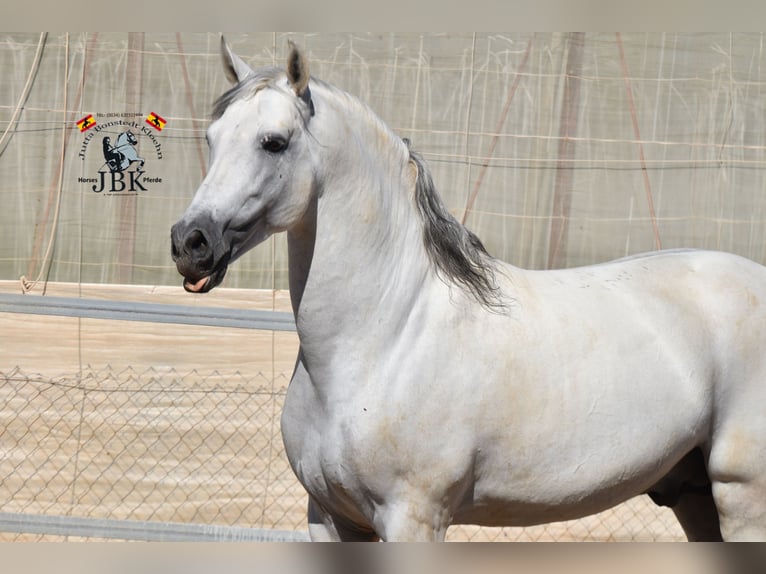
pixel 235 68
pixel 297 70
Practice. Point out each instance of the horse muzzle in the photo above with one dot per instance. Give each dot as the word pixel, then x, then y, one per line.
pixel 200 256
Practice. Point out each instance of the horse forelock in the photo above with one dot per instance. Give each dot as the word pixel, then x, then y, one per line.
pixel 246 88
pixel 458 255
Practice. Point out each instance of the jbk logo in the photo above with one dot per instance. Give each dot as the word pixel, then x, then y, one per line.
pixel 122 169
pixel 118 181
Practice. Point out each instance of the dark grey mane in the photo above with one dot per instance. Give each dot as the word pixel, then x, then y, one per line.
pixel 456 252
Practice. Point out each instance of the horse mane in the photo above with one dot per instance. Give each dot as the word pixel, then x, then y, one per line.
pixel 457 253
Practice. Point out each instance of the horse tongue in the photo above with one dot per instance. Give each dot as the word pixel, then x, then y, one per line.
pixel 196 287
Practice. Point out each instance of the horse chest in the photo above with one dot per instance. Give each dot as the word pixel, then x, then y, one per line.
pixel 317 440
pixel 354 454
pixel 334 468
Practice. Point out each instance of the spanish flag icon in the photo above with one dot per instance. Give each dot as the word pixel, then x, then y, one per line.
pixel 156 121
pixel 86 123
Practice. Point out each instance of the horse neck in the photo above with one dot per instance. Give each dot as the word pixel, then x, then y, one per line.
pixel 358 258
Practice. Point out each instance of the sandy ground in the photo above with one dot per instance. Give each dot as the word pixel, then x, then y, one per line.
pixel 146 421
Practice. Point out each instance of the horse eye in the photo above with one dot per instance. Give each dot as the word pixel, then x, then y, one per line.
pixel 274 144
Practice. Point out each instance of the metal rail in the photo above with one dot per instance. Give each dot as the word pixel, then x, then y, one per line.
pixel 140 530
pixel 147 312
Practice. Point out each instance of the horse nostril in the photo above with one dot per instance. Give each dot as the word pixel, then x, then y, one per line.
pixel 195 242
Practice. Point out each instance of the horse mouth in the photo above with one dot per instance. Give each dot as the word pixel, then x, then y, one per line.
pixel 205 283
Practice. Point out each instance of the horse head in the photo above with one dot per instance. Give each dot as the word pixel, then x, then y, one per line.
pixel 262 172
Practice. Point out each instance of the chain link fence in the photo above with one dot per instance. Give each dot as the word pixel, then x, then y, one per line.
pixel 159 445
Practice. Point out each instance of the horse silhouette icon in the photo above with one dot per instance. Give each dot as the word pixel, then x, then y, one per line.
pixel 120 156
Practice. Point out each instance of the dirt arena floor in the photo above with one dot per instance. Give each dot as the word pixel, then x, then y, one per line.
pixel 148 421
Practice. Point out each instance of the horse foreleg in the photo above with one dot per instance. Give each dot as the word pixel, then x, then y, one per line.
pixel 325 527
pixel 408 522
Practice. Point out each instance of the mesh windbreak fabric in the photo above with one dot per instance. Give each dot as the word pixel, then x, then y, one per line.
pixel 556 149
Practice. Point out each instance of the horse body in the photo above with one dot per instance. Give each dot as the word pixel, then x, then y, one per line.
pixel 436 385
pixel 587 393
